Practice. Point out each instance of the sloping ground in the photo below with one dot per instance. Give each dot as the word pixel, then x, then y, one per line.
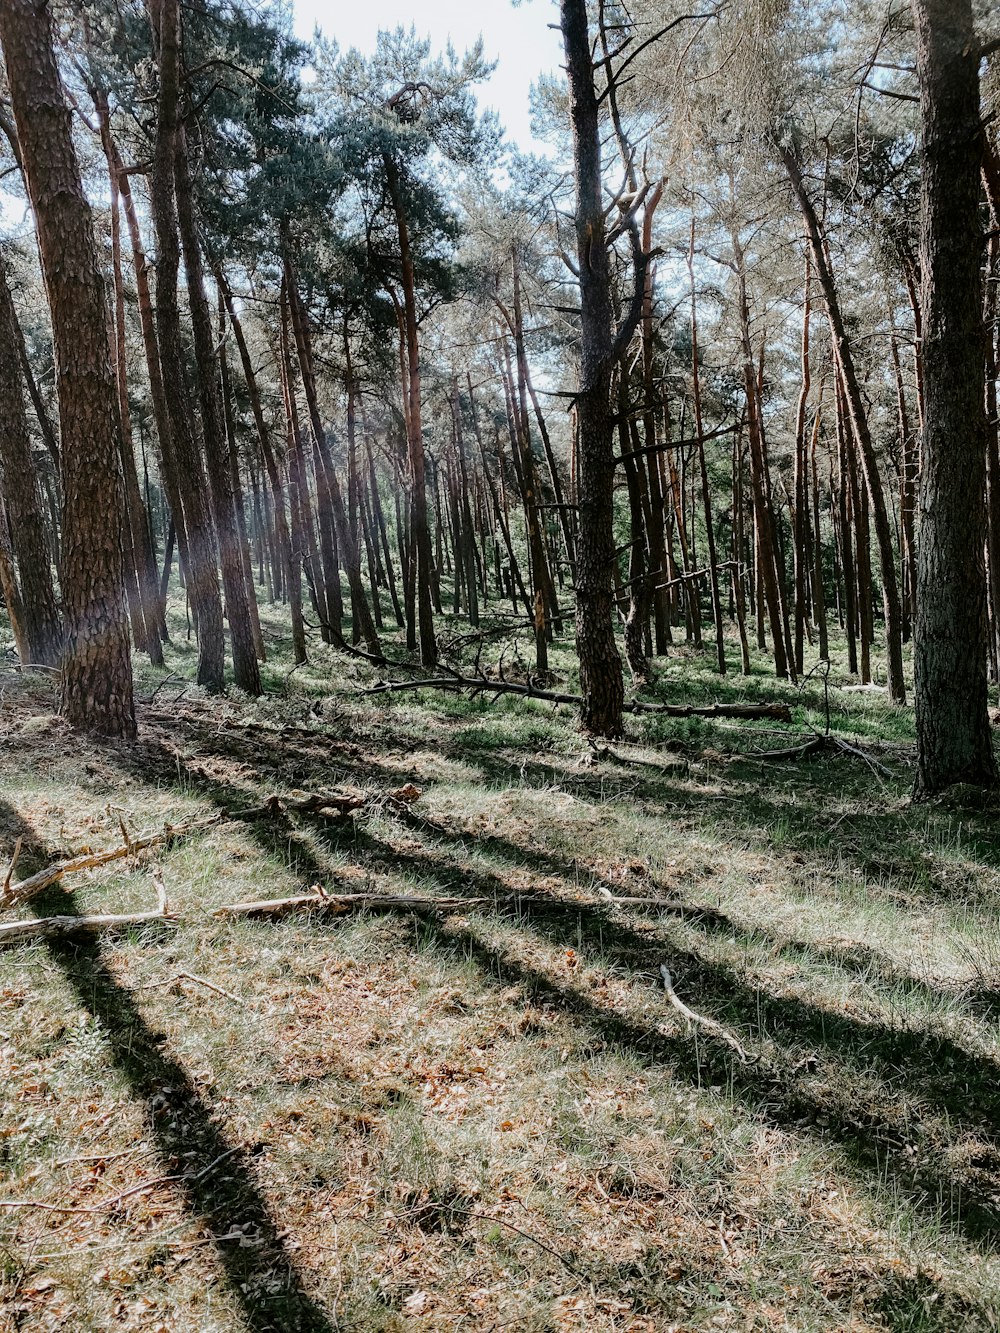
pixel 490 1117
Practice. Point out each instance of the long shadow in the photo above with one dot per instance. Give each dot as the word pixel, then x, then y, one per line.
pixel 868 1140
pixel 963 1084
pixel 216 1181
pixel 950 1081
pixel 754 805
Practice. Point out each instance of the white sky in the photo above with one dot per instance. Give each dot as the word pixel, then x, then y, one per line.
pixel 520 40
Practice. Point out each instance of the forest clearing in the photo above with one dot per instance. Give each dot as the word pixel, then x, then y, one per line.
pixel 499 649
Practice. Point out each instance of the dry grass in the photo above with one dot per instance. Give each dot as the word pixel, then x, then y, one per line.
pixel 489 1118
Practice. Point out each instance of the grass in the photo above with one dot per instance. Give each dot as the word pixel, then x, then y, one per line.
pixel 489 1117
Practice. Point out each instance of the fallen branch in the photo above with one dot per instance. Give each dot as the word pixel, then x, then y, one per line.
pixel 613 900
pixel 708 1023
pixel 274 807
pixel 190 976
pixel 747 712
pixel 58 927
pixel 116 1199
pixel 813 746
pixel 822 744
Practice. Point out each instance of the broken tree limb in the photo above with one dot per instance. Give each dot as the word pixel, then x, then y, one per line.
pixel 813 746
pixel 59 927
pixel 200 981
pixel 820 745
pixel 709 1024
pixel 275 807
pixel 747 712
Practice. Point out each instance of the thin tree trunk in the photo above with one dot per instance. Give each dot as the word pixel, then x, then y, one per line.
pixel 200 557
pixel 859 428
pixel 39 617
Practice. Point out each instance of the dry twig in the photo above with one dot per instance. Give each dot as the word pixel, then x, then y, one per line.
pixel 709 1024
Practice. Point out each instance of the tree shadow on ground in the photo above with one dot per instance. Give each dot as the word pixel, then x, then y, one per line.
pixel 216 1181
pixel 807 1075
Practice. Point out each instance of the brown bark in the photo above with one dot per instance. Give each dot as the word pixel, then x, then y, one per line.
pixel 706 497
pixel 953 732
pixel 289 576
pixel 97 670
pixel 142 554
pixel 421 537
pixel 42 634
pixel 859 428
pixel 601 682
pixel 238 593
pixel 200 567
pixel 768 569
pixel 346 538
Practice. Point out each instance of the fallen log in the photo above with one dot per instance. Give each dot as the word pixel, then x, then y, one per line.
pixel 746 712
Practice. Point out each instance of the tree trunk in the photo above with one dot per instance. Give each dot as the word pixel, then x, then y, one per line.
pixel 142 552
pixel 859 428
pixel 96 667
pixel 953 731
pixel 200 570
pixel 42 634
pixel 345 536
pixel 246 670
pixel 601 681
pixel 421 537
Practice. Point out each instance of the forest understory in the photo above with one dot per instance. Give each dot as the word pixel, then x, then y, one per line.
pixel 485 1113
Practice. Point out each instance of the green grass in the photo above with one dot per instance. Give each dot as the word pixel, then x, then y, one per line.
pixel 490 1117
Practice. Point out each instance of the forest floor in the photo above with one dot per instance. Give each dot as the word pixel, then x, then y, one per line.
pixel 487 1115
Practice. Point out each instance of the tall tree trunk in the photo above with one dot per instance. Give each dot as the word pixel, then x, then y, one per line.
pixel 601 681
pixel 289 574
pixel 768 567
pixel 142 551
pixel 238 594
pixel 859 428
pixel 706 496
pixel 953 731
pixel 421 573
pixel 346 539
pixel 200 571
pixel 41 631
pixel 96 667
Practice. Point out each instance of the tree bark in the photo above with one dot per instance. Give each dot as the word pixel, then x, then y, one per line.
pixel 97 670
pixel 42 632
pixel 246 670
pixel 953 732
pixel 200 571
pixel 859 428
pixel 421 536
pixel 601 682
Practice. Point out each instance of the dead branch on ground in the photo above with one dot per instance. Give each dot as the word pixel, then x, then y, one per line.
pixel 275 807
pixel 483 684
pixel 321 901
pixel 59 927
pixel 709 1024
